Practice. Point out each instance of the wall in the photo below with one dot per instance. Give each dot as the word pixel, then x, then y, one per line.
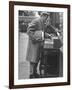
pixel 4 44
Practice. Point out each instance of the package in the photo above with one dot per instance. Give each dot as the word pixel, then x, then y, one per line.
pixel 55 42
pixel 48 43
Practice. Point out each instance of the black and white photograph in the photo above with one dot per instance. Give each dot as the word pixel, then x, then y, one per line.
pixel 40 44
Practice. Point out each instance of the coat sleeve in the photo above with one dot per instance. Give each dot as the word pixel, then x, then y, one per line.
pixel 31 29
pixel 51 29
pixel 34 32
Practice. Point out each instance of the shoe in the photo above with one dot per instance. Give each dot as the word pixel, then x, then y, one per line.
pixel 31 76
pixel 36 75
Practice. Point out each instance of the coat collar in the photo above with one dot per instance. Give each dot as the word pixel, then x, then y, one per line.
pixel 43 24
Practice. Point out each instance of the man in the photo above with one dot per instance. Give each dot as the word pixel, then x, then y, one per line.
pixel 36 34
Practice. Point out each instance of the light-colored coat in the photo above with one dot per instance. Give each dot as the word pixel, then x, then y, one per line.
pixel 33 51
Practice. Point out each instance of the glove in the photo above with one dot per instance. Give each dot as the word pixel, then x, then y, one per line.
pixel 48 36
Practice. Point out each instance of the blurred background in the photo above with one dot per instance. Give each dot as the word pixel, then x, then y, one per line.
pixel 25 17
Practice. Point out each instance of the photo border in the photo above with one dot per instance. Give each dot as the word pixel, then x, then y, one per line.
pixel 11 44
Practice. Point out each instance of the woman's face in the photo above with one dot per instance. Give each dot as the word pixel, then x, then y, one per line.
pixel 45 17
